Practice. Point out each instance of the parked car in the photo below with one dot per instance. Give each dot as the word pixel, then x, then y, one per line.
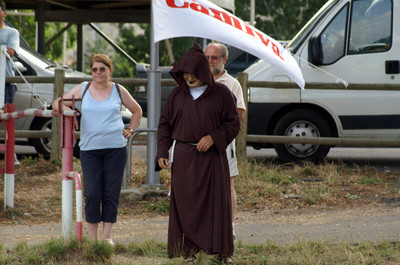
pixel 352 40
pixel 31 63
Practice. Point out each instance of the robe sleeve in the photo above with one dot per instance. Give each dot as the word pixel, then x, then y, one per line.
pixel 164 134
pixel 230 127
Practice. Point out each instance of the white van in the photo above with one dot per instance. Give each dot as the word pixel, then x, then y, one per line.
pixel 347 41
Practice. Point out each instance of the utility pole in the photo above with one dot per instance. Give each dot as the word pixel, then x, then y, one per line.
pixel 252 12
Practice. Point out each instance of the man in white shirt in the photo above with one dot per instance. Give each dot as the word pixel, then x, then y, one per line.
pixel 9 37
pixel 217 54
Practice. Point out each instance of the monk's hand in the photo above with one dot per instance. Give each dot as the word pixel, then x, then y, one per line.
pixel 163 163
pixel 205 143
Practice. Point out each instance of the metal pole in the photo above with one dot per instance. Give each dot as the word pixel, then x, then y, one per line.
pixel 2 73
pixel 78 203
pixel 128 167
pixel 9 175
pixel 252 12
pixel 153 110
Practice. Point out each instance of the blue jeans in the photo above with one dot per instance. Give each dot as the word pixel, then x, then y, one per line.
pixel 103 171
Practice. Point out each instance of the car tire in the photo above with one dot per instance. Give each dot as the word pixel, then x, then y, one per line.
pixel 302 123
pixel 43 145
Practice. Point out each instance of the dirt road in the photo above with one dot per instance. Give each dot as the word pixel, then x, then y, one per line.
pixel 355 225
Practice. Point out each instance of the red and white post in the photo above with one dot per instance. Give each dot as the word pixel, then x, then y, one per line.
pixel 78 203
pixel 67 181
pixel 9 173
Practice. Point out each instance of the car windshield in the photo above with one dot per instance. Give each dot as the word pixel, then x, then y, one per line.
pixel 40 56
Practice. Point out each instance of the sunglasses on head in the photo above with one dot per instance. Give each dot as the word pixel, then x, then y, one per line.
pixel 101 69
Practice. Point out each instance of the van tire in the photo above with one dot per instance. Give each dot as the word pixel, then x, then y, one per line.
pixel 43 145
pixel 302 123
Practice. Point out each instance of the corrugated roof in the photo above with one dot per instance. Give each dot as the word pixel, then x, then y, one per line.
pixel 72 11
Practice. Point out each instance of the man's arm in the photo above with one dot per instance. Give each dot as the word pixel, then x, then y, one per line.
pixel 241 113
pixel 10 52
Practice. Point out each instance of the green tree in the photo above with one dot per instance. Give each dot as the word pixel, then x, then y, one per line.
pixel 282 19
pixel 55 49
pixel 136 42
pixel 26 25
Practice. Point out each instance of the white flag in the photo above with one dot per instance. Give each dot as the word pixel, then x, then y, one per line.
pixel 201 18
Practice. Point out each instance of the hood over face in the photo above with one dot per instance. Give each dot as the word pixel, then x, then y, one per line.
pixel 193 61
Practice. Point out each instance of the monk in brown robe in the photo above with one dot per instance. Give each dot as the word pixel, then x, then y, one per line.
pixel 199 121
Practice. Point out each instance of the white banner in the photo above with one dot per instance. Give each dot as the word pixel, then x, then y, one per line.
pixel 201 18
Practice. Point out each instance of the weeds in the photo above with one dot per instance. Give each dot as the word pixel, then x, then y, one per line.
pixel 37 166
pixel 150 249
pixel 259 186
pixel 13 213
pixel 161 205
pixel 97 251
pixel 151 252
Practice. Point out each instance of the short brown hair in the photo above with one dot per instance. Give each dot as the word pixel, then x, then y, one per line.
pixel 101 58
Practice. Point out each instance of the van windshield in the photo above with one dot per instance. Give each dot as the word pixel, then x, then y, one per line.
pixel 294 45
pixel 25 45
pixel 41 57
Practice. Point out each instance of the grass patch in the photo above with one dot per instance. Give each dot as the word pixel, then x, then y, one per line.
pixel 160 205
pixel 152 252
pixel 259 186
pixel 273 186
pixel 97 251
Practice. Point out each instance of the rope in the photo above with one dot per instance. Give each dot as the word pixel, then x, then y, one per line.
pixel 338 79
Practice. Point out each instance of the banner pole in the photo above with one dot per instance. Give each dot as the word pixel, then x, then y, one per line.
pixel 2 73
pixel 153 107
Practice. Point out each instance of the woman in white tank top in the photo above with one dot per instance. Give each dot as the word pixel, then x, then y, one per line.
pixel 103 142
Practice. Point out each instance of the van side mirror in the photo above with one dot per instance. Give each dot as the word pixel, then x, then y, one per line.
pixel 315 54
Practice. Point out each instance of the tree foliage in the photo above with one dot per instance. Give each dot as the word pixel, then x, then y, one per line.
pixel 281 19
pixel 26 25
pixel 278 19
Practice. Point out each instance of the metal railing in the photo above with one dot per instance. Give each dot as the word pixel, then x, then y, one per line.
pixel 128 167
pixel 243 139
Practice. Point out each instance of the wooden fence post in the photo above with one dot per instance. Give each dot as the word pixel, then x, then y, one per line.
pixel 59 76
pixel 241 138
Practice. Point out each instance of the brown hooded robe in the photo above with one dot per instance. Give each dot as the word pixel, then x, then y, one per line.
pixel 200 204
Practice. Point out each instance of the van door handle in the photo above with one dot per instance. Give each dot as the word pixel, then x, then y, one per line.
pixel 392 67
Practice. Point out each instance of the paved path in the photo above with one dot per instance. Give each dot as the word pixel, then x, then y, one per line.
pixel 252 228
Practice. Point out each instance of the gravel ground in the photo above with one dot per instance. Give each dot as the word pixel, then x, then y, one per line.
pixel 355 225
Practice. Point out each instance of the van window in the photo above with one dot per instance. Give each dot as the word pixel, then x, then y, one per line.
pixel 371 26
pixel 333 37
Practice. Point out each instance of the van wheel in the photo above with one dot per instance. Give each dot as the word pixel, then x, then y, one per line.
pixel 302 123
pixel 43 145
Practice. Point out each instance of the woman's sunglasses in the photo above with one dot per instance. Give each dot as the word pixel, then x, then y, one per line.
pixel 101 69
